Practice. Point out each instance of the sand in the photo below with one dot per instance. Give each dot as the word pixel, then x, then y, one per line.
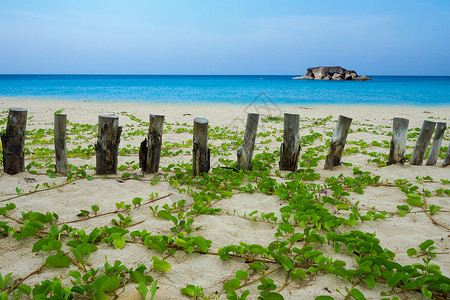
pixel 228 227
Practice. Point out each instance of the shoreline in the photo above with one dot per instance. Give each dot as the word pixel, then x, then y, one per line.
pixel 10 99
pixel 228 111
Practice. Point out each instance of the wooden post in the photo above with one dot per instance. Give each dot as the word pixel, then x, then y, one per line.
pixel 13 141
pixel 337 142
pixel 437 142
pixel 398 142
pixel 201 154
pixel 150 150
pixel 290 148
pixel 422 142
pixel 447 157
pixel 245 151
pixel 107 145
pixel 61 165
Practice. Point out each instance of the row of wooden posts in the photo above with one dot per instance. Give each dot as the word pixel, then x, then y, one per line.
pixel 109 132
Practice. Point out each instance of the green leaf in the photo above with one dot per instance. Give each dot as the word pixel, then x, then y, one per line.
pixel 342 207
pixel 434 209
pixel 85 248
pixel 95 208
pixel 153 289
pixel 105 283
pixel 175 183
pixel 273 296
pixel 38 245
pixel 339 263
pixel 119 242
pixel 254 212
pixel 137 201
pixel 167 216
pixel 298 274
pixel 142 289
pixel 241 274
pixel 53 245
pixel 297 237
pixel 424 246
pixel 231 284
pixel 286 262
pixel 189 290
pixel 160 265
pixel 355 293
pixel 370 281
pixel 359 190
pixel 426 293
pixel 337 247
pixel 4 281
pixel 25 289
pixel 324 298
pixel 83 213
pixel 394 280
pixel 27 231
pixel 200 241
pixel 54 231
pixel 411 252
pixel 76 275
pixel 4 296
pixel 101 296
pixel 57 261
pixel 414 200
pixel 110 284
pixel 257 265
pixel 286 227
pixel 138 277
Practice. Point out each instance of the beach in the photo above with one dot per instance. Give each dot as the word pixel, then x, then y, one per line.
pixel 231 222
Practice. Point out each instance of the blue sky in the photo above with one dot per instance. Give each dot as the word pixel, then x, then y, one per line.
pixel 224 37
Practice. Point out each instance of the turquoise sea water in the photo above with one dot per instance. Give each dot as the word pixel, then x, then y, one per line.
pixel 385 90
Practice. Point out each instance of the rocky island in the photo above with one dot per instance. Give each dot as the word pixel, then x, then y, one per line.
pixel 332 73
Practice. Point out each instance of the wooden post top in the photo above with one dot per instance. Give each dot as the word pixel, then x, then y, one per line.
pixel 344 117
pixel 108 116
pixel 17 109
pixel 201 120
pixel 401 119
pixel 428 122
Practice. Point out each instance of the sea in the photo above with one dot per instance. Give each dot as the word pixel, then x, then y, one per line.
pixel 280 89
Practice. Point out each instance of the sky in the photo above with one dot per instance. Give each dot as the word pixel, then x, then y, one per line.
pixel 242 37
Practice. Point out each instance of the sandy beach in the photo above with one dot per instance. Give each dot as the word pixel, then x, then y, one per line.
pixel 232 222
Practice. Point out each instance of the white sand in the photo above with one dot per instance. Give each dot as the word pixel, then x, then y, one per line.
pixel 227 228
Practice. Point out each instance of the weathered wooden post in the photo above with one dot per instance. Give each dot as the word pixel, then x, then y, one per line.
pixel 290 148
pixel 245 151
pixel 337 142
pixel 398 142
pixel 200 151
pixel 107 145
pixel 13 141
pixel 150 150
pixel 61 165
pixel 437 142
pixel 422 142
pixel 447 157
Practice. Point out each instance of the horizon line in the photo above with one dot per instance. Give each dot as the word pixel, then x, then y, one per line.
pixel 145 74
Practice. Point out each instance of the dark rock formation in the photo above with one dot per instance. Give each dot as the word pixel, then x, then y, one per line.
pixel 332 73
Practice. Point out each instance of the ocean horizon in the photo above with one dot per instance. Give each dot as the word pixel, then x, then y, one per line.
pixel 228 89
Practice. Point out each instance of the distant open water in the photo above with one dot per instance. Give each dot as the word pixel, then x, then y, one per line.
pixel 384 90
